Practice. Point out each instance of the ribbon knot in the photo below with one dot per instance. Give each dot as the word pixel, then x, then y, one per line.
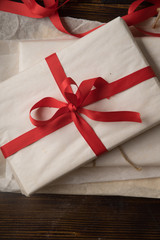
pixel 72 107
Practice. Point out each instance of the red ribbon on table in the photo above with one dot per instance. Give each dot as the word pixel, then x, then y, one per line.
pixel 71 110
pixel 134 17
pixel 31 8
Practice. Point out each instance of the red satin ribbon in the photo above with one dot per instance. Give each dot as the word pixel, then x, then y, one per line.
pixel 30 8
pixel 71 110
pixel 134 17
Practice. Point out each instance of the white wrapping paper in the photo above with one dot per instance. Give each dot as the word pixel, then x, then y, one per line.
pixel 9 59
pixel 128 51
pixel 32 52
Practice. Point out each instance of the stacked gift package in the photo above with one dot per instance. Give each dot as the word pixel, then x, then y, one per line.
pixel 65 149
pixel 102 169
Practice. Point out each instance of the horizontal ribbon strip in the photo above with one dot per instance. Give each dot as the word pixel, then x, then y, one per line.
pixel 71 110
pixel 31 8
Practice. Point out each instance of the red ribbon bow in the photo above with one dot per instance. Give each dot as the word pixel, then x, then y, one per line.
pixel 74 107
pixel 71 110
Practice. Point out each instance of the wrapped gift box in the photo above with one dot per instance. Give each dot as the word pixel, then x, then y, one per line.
pixel 111 166
pixel 42 162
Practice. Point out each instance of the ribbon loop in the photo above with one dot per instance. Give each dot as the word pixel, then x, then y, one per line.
pixel 47 102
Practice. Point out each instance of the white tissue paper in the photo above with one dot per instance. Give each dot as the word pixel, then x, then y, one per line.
pixel 128 60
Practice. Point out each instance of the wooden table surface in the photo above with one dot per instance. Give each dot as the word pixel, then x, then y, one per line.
pixel 81 217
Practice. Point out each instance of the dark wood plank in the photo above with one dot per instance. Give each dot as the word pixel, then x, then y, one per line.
pixel 81 217
pixel 78 217
pixel 94 10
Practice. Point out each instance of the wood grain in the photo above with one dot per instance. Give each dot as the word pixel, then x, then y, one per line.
pixel 78 217
pixel 81 217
